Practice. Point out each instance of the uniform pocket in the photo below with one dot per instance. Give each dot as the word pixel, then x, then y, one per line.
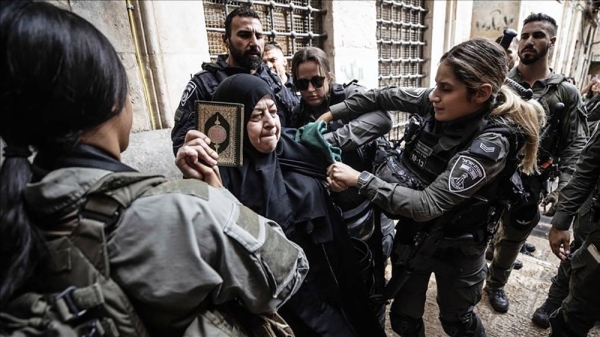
pixel 585 264
pixel 281 260
pixel 247 230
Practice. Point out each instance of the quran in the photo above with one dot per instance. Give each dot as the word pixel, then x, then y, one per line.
pixel 222 123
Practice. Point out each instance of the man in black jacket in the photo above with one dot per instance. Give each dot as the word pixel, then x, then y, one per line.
pixel 244 40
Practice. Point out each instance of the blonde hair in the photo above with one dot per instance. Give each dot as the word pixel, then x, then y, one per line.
pixel 480 60
pixel 528 116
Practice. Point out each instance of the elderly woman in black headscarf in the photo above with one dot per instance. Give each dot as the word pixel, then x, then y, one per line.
pixel 282 179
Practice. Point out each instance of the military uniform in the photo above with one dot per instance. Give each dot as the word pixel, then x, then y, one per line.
pixel 203 85
pixel 581 309
pixel 592 106
pixel 452 170
pixel 181 252
pixel 561 145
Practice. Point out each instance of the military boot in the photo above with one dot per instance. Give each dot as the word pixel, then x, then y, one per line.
pixel 541 315
pixel 530 247
pixel 517 265
pixel 498 299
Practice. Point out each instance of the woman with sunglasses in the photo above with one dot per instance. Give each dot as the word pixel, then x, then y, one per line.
pixel 468 136
pixel 314 80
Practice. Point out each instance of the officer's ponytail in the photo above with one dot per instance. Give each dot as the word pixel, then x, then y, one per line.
pixel 480 60
pixel 528 116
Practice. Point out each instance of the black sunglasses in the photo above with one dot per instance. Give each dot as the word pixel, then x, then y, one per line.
pixel 302 84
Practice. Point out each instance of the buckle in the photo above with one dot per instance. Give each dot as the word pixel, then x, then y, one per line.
pixel 66 305
pixel 92 329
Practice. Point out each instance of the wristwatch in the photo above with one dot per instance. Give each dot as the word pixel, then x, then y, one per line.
pixel 363 179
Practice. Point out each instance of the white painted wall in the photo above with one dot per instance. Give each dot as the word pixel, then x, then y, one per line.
pixel 182 46
pixel 351 43
pixel 435 38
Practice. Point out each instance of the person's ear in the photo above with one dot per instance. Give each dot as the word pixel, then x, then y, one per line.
pixel 552 41
pixel 225 39
pixel 483 93
pixel 284 62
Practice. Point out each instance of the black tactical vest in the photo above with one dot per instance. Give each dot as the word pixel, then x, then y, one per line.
pixel 426 155
pixel 427 152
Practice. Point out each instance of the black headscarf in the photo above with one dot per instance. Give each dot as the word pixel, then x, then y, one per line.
pixel 283 196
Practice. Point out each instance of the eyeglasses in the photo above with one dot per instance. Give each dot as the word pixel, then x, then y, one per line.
pixel 302 84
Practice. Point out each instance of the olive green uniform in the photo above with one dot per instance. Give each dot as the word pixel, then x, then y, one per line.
pixel 446 190
pixel 564 146
pixel 581 309
pixel 182 251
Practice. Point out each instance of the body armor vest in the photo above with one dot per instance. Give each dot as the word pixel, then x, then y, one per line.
pixel 427 153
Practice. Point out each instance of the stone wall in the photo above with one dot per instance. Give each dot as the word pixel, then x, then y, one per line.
pixel 350 43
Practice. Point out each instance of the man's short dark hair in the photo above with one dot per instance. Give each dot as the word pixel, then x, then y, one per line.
pixel 245 12
pixel 535 17
pixel 273 45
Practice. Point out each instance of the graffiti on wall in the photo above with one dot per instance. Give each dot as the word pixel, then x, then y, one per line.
pixel 490 18
pixel 352 71
pixel 496 21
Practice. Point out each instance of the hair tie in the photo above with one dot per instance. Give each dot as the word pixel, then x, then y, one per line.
pixel 17 151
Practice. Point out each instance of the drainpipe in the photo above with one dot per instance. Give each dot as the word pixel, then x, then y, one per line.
pixel 154 124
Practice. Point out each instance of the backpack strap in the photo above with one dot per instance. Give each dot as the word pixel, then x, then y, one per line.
pixel 79 259
pixel 58 314
pixel 102 210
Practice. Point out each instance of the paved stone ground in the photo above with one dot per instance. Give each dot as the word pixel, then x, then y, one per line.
pixel 526 290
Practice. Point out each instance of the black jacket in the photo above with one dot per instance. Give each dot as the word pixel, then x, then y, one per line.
pixel 204 83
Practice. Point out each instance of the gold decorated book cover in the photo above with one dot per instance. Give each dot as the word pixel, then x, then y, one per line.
pixel 222 123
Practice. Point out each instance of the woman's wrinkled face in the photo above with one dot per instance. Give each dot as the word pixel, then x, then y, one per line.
pixel 310 71
pixel 450 98
pixel 263 127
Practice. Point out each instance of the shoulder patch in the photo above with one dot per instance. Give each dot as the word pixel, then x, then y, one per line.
pixel 465 174
pixel 189 89
pixel 486 149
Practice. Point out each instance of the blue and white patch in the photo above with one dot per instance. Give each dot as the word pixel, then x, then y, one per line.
pixel 189 89
pixel 465 174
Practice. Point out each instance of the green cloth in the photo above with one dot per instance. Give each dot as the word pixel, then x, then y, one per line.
pixel 311 135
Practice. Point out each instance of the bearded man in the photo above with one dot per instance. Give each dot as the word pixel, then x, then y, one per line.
pixel 245 43
pixel 561 142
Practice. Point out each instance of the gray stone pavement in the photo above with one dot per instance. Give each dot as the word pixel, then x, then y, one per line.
pixel 527 289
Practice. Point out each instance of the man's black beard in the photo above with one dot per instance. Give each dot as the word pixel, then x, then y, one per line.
pixel 245 60
pixel 530 59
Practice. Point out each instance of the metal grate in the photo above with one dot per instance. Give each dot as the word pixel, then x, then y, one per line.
pixel 294 24
pixel 400 31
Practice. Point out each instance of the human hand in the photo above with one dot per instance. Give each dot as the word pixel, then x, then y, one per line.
pixel 342 175
pixel 559 242
pixel 550 199
pixel 326 117
pixel 195 159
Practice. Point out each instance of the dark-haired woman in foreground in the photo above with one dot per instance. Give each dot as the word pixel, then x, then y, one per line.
pixel 186 255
